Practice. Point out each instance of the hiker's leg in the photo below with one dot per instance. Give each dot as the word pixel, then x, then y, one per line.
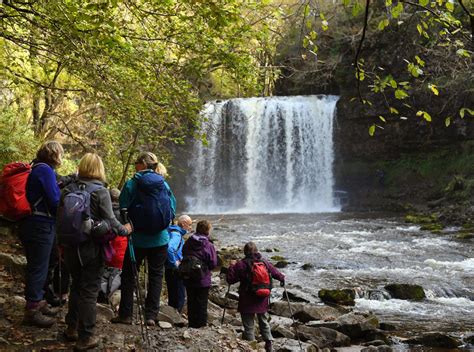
pixel 37 239
pixel 264 326
pixel 92 271
pixel 202 294
pixel 248 321
pixel 126 287
pixel 50 295
pixel 171 287
pixel 156 264
pixel 192 307
pixel 73 265
pixel 181 292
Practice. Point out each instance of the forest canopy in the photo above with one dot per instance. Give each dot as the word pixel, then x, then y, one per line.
pixel 116 76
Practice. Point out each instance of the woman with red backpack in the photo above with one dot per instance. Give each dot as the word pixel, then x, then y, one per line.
pixel 254 274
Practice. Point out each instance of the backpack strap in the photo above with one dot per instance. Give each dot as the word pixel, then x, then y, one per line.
pixel 34 207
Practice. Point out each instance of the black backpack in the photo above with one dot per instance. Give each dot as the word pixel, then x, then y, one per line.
pixel 192 268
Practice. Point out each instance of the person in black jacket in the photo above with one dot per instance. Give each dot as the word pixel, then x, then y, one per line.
pixel 85 262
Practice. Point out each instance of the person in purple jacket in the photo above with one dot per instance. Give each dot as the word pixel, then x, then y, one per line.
pixel 249 303
pixel 37 232
pixel 199 246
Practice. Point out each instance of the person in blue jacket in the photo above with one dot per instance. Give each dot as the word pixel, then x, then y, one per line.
pixel 37 232
pixel 176 289
pixel 152 246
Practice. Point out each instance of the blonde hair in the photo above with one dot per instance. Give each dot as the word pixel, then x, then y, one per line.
pixel 161 169
pixel 149 159
pixel 50 152
pixel 91 166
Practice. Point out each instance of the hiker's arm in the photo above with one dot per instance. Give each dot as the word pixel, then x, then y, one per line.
pixel 126 195
pixel 275 273
pixel 212 262
pixel 106 212
pixel 173 248
pixel 233 274
pixel 50 188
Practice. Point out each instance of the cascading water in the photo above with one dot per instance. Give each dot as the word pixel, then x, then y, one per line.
pixel 265 155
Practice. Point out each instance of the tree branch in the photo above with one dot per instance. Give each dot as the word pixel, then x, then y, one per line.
pixel 356 59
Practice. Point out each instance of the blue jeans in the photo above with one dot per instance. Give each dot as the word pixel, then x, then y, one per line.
pixel 37 238
pixel 176 289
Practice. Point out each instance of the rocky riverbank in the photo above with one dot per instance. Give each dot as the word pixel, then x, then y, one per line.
pixel 327 322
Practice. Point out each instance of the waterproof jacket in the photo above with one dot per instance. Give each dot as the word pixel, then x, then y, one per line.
pixel 41 184
pixel 249 303
pixel 129 192
pixel 199 246
pixel 175 245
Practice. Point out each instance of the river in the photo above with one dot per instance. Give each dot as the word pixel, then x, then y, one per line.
pixel 367 252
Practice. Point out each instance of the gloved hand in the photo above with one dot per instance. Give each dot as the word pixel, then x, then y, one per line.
pixel 282 283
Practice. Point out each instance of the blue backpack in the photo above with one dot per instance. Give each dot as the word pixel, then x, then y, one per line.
pixel 74 215
pixel 150 210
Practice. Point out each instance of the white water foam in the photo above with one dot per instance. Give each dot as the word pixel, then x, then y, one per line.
pixel 265 155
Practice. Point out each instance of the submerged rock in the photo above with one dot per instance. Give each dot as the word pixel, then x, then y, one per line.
pixel 435 339
pixel 281 264
pixel 406 291
pixel 307 266
pixel 344 297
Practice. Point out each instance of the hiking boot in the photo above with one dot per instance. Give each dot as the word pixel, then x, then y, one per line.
pixel 34 317
pixel 87 343
pixel 70 333
pixel 45 308
pixel 150 322
pixel 120 320
pixel 268 346
pixel 51 298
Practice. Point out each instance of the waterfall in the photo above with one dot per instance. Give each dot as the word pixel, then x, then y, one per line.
pixel 264 155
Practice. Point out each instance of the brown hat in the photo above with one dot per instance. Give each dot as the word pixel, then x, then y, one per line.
pixel 147 158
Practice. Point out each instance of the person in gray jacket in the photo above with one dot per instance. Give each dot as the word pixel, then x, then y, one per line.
pixel 85 261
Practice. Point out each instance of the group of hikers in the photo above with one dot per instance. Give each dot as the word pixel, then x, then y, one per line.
pixel 74 226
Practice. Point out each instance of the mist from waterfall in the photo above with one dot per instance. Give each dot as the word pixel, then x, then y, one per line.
pixel 264 155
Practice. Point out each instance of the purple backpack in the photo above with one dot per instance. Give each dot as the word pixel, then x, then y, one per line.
pixel 74 216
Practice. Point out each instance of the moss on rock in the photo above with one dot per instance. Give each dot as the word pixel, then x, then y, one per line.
pixel 406 291
pixel 344 297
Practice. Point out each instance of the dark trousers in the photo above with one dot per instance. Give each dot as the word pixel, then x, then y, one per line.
pixel 197 306
pixel 37 239
pixel 176 289
pixel 86 266
pixel 156 257
pixel 58 276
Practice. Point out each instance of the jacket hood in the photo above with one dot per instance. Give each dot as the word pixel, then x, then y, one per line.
pixel 149 180
pixel 176 228
pixel 198 241
pixel 254 256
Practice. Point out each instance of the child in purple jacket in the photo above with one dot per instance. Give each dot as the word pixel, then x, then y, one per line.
pixel 197 291
pixel 249 303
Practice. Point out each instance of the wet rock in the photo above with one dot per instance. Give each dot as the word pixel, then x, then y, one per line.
pixel 13 262
pixel 296 296
pixel 383 348
pixel 469 339
pixel 305 312
pixel 406 291
pixel 290 345
pixel 171 315
pixel 281 264
pixel 373 335
pixel 307 266
pixel 435 339
pixel 281 331
pixel 374 343
pixel 343 297
pixel 278 258
pixel 387 327
pixel 323 324
pixel 323 337
pixel 356 325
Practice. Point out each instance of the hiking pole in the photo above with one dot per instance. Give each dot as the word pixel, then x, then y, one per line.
pixel 141 311
pixel 292 318
pixel 225 305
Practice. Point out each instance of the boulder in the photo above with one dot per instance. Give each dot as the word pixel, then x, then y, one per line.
pixel 376 335
pixel 469 339
pixel 323 324
pixel 13 262
pixel 307 266
pixel 374 343
pixel 356 325
pixel 296 296
pixel 343 297
pixel 218 298
pixel 281 331
pixel 172 316
pixel 290 345
pixel 406 291
pixel 283 321
pixel 435 339
pixel 281 264
pixel 323 337
pixel 305 312
pixel 387 327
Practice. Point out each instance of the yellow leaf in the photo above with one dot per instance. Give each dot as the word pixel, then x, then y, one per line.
pixel 372 130
pixel 447 122
pixel 433 88
pixel 382 118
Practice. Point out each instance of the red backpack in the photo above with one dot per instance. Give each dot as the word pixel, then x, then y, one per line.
pixel 260 278
pixel 13 202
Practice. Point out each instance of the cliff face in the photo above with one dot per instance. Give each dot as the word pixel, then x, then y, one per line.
pixel 410 161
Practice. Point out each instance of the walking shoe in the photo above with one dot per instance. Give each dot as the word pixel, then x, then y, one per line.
pixel 268 346
pixel 70 333
pixel 119 320
pixel 45 308
pixel 34 317
pixel 51 298
pixel 87 343
pixel 150 322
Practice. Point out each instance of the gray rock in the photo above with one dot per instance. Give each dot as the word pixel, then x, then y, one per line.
pixel 374 343
pixel 382 348
pixel 13 262
pixel 283 321
pixel 281 264
pixel 435 339
pixel 323 337
pixel 387 326
pixel 218 298
pixel 104 312
pixel 172 316
pixel 281 331
pixel 356 325
pixel 165 325
pixel 323 324
pixel 289 345
pixel 307 266
pixel 305 312
pixel 376 335
pixel 296 296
